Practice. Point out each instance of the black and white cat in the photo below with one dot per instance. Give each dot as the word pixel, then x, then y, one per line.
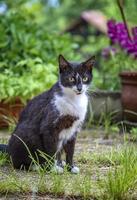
pixel 50 122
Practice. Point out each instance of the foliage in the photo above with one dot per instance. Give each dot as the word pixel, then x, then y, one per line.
pixel 111 68
pixel 39 77
pixel 29 53
pixel 23 38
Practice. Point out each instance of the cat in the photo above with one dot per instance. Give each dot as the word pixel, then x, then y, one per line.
pixel 50 121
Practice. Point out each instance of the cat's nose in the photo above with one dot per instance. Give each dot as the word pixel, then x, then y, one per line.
pixel 79 88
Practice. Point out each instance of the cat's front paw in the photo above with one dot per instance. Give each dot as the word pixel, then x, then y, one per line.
pixel 57 169
pixel 75 170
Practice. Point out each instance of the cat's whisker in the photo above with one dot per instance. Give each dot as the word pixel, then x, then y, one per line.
pixel 92 94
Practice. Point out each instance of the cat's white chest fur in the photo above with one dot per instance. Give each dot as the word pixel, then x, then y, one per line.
pixel 75 105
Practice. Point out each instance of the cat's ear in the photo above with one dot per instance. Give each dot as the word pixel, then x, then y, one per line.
pixel 89 63
pixel 63 63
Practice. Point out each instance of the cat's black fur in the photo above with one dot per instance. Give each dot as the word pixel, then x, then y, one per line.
pixel 40 123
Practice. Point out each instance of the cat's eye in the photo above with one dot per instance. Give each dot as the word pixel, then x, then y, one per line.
pixel 71 79
pixel 85 79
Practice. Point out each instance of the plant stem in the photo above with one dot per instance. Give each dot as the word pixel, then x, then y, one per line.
pixel 120 5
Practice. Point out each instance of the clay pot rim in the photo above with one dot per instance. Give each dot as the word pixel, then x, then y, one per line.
pixel 128 73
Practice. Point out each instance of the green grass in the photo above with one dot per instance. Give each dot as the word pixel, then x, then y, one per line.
pixel 12 184
pixel 121 180
pixel 107 173
pixel 4 159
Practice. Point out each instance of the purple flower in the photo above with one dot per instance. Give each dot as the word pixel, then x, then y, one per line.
pixel 117 33
pixel 112 31
pixel 134 32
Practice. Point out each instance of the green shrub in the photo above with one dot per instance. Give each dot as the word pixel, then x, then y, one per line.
pixel 28 52
pixel 106 77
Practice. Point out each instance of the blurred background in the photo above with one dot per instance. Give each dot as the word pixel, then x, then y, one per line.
pixel 34 32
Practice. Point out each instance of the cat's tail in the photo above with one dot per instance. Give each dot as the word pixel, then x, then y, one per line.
pixel 3 148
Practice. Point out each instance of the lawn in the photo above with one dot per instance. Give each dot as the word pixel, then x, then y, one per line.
pixel 108 170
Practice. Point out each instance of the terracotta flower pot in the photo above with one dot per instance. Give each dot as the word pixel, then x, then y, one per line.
pixel 129 95
pixel 10 111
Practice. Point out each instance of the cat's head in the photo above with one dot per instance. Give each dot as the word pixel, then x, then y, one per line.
pixel 75 77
